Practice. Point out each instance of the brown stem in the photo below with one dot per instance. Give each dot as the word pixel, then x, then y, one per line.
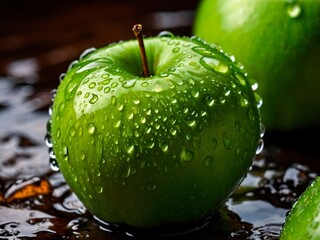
pixel 137 30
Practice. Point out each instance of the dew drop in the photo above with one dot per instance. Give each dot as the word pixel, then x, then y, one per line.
pixel 107 90
pixel 151 186
pixel 208 161
pixel 209 100
pixel 176 49
pixel 294 9
pixel 241 78
pixel 254 84
pixel 130 150
pixel 92 85
pixel 186 155
pixel 214 142
pixel 54 164
pixel 114 84
pixel 214 64
pixel 126 172
pixel 262 130
pixel 61 77
pixel 164 146
pixel 72 131
pixel 117 124
pixel 192 123
pixel 165 34
pixel 99 189
pixel 91 128
pixel 173 131
pixel 260 146
pixel 227 142
pixel 258 100
pixel 87 52
pixel 144 84
pixel 93 99
pixel 129 84
pixel 136 101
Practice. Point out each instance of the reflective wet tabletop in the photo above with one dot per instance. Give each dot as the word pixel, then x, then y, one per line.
pixel 38 40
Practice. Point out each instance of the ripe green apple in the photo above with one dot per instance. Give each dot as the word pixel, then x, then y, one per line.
pixel 163 149
pixel 303 221
pixel 279 44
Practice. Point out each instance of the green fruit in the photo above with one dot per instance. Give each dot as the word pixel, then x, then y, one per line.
pixel 303 221
pixel 149 151
pixel 279 44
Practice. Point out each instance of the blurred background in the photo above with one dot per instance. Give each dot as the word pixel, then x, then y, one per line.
pixel 38 40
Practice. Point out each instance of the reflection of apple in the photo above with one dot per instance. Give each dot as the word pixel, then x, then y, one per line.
pixel 166 148
pixel 279 44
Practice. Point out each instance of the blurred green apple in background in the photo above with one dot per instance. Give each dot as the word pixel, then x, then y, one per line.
pixel 279 44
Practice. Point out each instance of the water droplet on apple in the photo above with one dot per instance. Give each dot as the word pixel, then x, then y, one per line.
pixel 72 64
pixel 176 49
pixel 238 150
pixel 165 34
pixel 192 123
pixel 258 100
pixel 91 128
pixel 99 189
pixel 186 155
pixel 164 146
pixel 214 142
pixel 150 145
pixel 241 78
pixel 87 52
pixel 61 77
pixel 227 142
pixel 260 146
pixel 294 9
pixel 203 51
pixel 130 149
pixel 53 163
pixel 92 85
pixel 93 99
pixel 144 84
pixel 107 90
pixel 117 124
pixel 208 161
pixel 250 114
pixel 72 131
pixel 209 100
pixel 214 64
pixel 151 186
pixel 136 101
pixel 254 84
pixel 237 126
pixel 173 131
pixel 262 130
pixel 129 83
pixel 114 85
pixel 126 172
pixel 197 40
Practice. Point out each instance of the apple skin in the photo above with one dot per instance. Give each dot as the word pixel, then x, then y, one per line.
pixel 303 220
pixel 279 44
pixel 166 149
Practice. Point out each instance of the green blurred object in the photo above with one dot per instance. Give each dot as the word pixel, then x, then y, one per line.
pixel 303 221
pixel 279 44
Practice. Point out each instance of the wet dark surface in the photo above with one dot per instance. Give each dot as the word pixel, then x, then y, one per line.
pixel 38 40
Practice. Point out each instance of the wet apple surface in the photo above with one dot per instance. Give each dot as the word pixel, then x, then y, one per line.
pixel 36 202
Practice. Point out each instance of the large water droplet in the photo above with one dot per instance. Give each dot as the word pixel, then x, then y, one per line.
pixel 129 84
pixel 164 146
pixel 214 64
pixel 294 9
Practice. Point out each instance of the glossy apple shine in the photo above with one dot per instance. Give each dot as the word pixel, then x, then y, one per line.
pixel 164 149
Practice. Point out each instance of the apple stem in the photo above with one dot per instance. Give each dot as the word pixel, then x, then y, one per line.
pixel 137 30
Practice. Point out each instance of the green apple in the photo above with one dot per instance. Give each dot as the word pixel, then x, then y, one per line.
pixel 279 44
pixel 303 221
pixel 163 149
